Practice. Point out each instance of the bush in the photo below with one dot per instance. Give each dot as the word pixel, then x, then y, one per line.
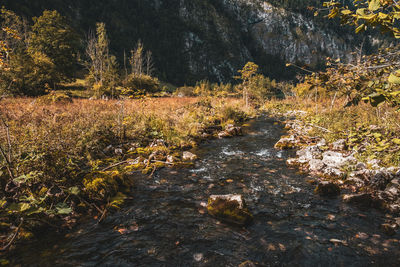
pixel 140 84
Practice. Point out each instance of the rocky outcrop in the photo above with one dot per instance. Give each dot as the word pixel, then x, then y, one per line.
pixel 371 184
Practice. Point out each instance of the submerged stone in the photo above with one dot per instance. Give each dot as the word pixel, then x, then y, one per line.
pixel 363 199
pixel 326 188
pixel 230 209
pixel 389 229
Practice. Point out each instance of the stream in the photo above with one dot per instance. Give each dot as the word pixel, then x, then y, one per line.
pixel 166 223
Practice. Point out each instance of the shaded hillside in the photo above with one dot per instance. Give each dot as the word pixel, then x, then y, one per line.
pixel 202 39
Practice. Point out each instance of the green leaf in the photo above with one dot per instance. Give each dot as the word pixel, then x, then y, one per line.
pixel 74 190
pixel 346 12
pixel 396 141
pixel 360 28
pixel 394 79
pixel 374 5
pixel 63 208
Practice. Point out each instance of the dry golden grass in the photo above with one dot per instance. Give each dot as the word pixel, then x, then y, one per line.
pixel 63 146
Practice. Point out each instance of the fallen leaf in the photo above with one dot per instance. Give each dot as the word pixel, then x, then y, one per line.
pixel 123 231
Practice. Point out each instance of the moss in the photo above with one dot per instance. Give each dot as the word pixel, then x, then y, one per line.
pixel 229 211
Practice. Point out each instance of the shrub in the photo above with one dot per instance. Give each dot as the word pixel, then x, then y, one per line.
pixel 140 84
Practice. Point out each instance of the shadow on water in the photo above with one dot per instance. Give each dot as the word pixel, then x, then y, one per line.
pixel 167 224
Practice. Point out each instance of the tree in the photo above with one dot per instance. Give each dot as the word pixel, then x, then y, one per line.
pixel 248 71
pixel 377 78
pixel 20 72
pixel 103 67
pixel 141 62
pixel 53 37
pixel 384 14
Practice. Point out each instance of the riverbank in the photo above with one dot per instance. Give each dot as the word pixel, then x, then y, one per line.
pixel 355 151
pixel 68 158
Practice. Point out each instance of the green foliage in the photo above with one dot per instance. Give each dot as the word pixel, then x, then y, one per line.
pixel 53 37
pixel 368 13
pixel 372 79
pixel 35 64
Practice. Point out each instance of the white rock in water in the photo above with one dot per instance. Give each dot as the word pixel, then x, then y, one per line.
pixel 198 256
pixel 188 156
pixel 230 197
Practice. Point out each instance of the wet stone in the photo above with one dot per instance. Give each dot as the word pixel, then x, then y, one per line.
pixel 229 208
pixel 363 199
pixel 329 189
pixel 188 156
pixel 389 229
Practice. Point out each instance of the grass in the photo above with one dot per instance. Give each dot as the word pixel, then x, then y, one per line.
pixel 59 153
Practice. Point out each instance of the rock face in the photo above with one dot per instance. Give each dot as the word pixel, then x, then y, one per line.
pixel 230 209
pixel 204 38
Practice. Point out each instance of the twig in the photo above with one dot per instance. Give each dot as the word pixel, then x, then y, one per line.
pixel 14 236
pixel 102 215
pixel 169 163
pixel 319 127
pixel 154 170
pixel 115 165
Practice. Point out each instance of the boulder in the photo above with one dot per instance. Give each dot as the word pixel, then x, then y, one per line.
pixel 381 178
pixel 333 172
pixel 230 130
pixel 329 189
pixel 230 209
pixel 339 145
pixel 316 165
pixel 286 142
pixel 188 156
pixel 309 153
pixel 337 159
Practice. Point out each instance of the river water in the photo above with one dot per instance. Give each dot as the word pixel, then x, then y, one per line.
pixel 166 223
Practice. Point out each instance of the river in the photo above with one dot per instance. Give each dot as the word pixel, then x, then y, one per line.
pixel 166 223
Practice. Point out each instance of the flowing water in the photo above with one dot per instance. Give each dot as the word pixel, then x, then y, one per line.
pixel 166 223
